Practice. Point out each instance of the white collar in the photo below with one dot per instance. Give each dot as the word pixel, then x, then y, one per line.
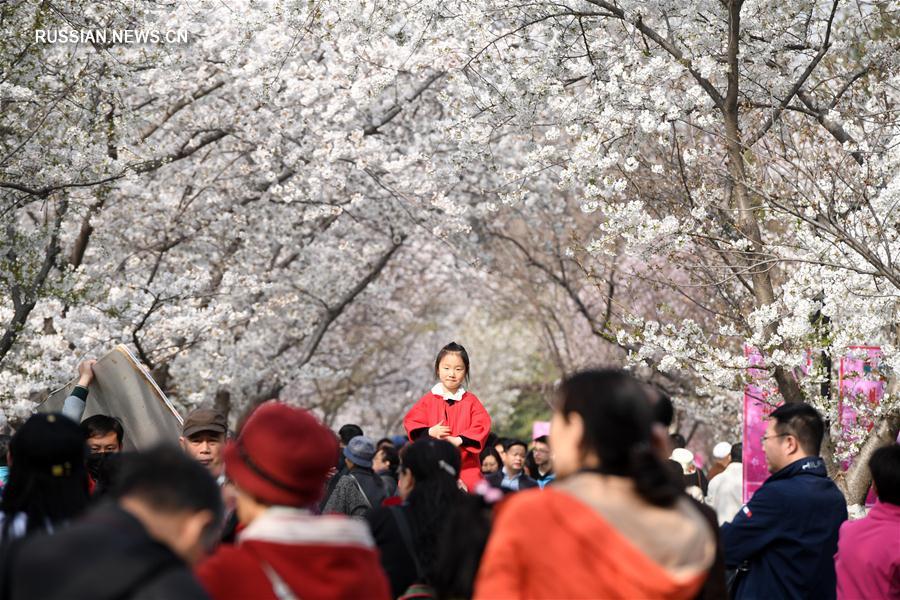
pixel 439 390
pixel 509 477
pixel 288 525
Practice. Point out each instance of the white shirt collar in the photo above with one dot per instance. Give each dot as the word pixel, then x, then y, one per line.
pixel 438 390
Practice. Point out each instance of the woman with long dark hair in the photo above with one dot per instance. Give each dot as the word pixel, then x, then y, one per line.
pixel 614 524
pixel 48 483
pixel 409 536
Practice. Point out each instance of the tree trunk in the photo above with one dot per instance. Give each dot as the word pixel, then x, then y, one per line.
pixel 763 290
pixel 855 482
pixel 222 402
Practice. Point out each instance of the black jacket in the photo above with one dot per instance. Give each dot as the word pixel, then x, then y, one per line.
pixel 372 485
pixel 715 585
pixel 108 555
pixel 788 534
pixel 396 559
pixel 525 482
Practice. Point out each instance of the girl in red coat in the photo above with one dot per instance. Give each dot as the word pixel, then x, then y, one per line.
pixel 449 412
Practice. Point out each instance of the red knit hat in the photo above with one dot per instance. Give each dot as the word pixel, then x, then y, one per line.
pixel 282 456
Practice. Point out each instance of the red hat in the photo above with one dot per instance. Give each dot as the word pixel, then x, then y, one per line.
pixel 282 456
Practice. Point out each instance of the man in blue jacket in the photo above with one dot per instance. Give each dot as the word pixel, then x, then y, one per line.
pixel 784 539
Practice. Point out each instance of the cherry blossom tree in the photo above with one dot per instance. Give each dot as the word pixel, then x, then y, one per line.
pixel 251 211
pixel 737 155
pixel 278 205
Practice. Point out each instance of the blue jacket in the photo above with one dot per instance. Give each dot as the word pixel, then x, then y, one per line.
pixel 788 534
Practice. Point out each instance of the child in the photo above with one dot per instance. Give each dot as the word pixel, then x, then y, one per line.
pixel 449 412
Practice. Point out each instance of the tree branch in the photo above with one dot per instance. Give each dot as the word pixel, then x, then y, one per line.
pixel 830 126
pixel 770 120
pixel 660 41
pixel 395 110
pixel 333 312
pixel 24 300
pixel 151 129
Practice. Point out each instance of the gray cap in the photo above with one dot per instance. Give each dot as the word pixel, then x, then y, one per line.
pixel 360 451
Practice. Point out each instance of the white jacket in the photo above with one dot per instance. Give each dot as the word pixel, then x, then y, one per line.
pixel 726 492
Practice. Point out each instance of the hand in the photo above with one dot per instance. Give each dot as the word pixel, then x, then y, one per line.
pixel 86 372
pixel 439 431
pixel 455 440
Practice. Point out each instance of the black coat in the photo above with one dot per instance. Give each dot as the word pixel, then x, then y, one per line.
pixel 372 485
pixel 788 533
pixel 396 559
pixel 525 482
pixel 714 587
pixel 108 555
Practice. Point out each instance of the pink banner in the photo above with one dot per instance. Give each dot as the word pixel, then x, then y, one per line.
pixel 860 389
pixel 756 410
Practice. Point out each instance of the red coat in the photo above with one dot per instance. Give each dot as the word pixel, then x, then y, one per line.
pixel 466 418
pixel 329 556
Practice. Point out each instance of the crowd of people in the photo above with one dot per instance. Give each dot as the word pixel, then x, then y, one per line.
pixel 609 505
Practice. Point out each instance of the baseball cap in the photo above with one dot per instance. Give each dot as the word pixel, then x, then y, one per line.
pixel 204 419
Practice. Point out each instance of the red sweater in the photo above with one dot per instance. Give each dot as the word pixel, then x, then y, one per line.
pixel 466 418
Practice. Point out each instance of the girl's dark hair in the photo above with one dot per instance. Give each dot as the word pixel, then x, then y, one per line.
pixel 531 468
pixel 435 467
pixel 47 478
pixel 618 420
pixel 454 348
pixel 465 534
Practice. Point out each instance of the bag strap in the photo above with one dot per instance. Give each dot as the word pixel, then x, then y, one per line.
pixel 279 587
pixel 406 534
pixel 361 491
